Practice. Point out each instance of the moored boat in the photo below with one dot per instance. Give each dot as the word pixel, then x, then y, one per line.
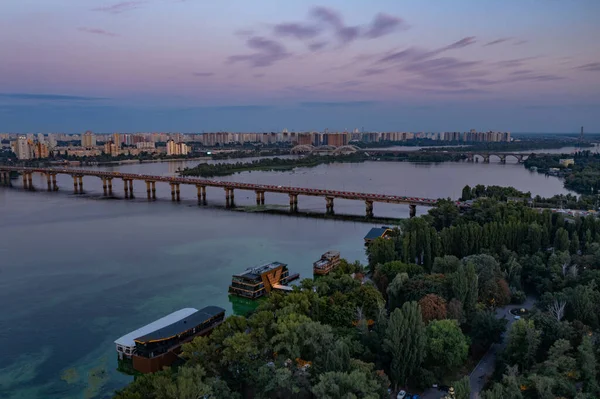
pixel 259 281
pixel 158 344
pixel 329 260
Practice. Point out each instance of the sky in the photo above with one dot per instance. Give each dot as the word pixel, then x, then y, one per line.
pixel 266 65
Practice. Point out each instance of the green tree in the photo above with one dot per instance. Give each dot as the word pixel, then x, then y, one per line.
pixel 462 388
pixel 486 328
pixel 338 385
pixel 561 240
pixel 587 366
pixel 522 344
pixel 444 214
pixel 447 347
pixel 446 264
pixel 466 193
pixel 405 342
pixel 381 251
pixel 395 291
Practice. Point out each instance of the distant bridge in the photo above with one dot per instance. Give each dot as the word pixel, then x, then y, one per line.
pixel 350 149
pixel 201 184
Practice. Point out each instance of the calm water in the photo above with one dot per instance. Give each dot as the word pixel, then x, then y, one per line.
pixel 77 272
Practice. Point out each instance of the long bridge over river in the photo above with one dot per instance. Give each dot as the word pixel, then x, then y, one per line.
pixel 128 180
pixel 471 156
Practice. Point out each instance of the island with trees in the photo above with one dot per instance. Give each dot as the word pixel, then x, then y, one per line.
pixel 423 311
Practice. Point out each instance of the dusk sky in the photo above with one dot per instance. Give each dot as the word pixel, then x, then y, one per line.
pixel 266 65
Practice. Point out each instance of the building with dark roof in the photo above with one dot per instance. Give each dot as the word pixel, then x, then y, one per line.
pixel 377 232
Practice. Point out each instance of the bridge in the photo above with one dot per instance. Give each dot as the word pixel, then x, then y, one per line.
pixel 128 180
pixel 350 149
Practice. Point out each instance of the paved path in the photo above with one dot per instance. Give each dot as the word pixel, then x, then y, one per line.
pixel 486 365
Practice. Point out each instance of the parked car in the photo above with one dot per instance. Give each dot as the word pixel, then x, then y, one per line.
pixel 517 317
pixel 401 395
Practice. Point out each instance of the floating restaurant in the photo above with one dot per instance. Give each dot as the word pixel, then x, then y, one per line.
pixel 158 344
pixel 259 281
pixel 329 260
pixel 377 232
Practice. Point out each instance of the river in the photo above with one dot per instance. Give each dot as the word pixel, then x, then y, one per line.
pixel 77 272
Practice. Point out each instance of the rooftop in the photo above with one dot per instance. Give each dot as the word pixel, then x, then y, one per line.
pixel 254 273
pixel 182 325
pixel 376 232
pixel 128 339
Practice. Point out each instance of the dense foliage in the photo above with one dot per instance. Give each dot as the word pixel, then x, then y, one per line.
pixel 426 311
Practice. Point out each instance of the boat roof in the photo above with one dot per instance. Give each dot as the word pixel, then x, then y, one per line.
pixel 255 272
pixel 182 325
pixel 376 232
pixel 128 339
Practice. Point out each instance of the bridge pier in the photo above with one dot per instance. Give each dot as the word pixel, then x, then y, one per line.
pixel 5 178
pixel 30 181
pixel 131 188
pixel 54 184
pixel 49 181
pixel 104 187
pixel 153 190
pixel 109 184
pixel 502 158
pixel 293 202
pixel 201 194
pixel 329 205
pixel 75 185
pixel 126 188
pixel 369 208
pixel 229 198
pixel 172 191
pixel 149 189
pixel 486 159
pixel 80 184
pixel 470 158
pixel 412 210
pixel 258 198
pixel 177 192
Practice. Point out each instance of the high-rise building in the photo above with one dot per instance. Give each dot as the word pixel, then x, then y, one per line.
pixel 88 140
pixel 41 138
pixel 22 148
pixel 174 148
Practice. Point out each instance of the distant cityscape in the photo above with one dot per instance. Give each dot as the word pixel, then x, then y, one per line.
pixel 39 146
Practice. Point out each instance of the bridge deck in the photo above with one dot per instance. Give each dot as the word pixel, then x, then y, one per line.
pixel 394 199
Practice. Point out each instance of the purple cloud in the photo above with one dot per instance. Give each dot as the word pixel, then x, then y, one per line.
pixel 332 19
pixel 515 63
pixel 592 67
pixel 317 46
pixel 498 41
pixel 268 52
pixel 97 31
pixel 520 42
pixel 203 74
pixel 384 24
pixel 467 41
pixel 372 71
pixel 121 7
pixel 298 31
pixel 521 72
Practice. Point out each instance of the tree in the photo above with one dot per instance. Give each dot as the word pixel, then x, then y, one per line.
pixel 337 385
pixel 447 347
pixel 405 342
pixel 395 291
pixel 587 366
pixel 381 251
pixel 444 214
pixel 522 344
pixel 432 308
pixel 561 240
pixel 446 264
pixel 464 285
pixel 455 311
pixel 486 328
pixel 466 193
pixel 462 388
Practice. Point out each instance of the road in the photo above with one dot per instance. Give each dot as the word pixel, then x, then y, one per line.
pixel 486 365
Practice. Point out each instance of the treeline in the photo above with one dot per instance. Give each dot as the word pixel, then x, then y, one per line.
pixel 582 177
pixel 498 253
pixel 254 152
pixel 268 164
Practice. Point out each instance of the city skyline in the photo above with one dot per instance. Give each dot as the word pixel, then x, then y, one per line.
pixel 191 66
